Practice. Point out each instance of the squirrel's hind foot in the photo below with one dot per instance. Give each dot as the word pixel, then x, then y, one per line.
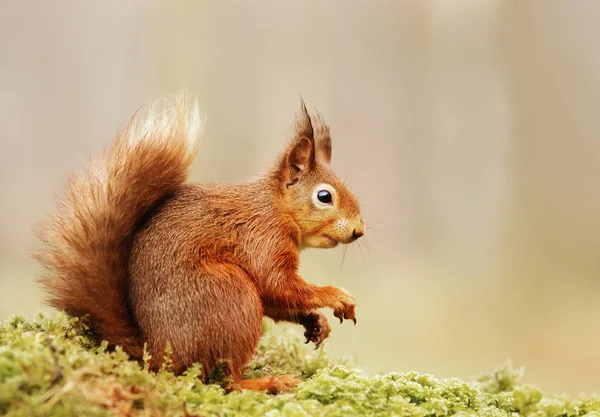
pixel 273 384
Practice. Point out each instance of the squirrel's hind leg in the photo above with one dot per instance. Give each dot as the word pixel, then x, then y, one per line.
pixel 208 314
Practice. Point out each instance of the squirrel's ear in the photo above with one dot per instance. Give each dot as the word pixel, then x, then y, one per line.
pixel 299 159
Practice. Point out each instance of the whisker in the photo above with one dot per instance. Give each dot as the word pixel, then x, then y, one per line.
pixel 363 244
pixel 343 257
pixel 362 254
pixel 366 243
pixel 374 229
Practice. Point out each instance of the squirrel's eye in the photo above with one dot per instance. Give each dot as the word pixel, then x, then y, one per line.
pixel 324 196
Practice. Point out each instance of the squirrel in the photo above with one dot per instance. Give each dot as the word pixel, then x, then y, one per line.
pixel 152 259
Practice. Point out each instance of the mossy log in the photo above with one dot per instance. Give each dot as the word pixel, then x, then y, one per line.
pixel 51 367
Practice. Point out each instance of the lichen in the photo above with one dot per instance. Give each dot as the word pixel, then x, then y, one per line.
pixel 51 367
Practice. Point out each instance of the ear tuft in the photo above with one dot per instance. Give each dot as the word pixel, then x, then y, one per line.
pixel 304 126
pixel 322 139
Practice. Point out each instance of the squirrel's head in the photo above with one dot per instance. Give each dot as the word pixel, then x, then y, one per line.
pixel 320 203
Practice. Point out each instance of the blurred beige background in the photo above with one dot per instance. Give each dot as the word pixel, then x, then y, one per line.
pixel 468 129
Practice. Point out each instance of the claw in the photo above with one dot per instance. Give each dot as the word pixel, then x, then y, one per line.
pixel 354 320
pixel 341 319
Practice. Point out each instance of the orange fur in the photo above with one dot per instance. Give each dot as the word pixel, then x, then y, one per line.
pixel 155 260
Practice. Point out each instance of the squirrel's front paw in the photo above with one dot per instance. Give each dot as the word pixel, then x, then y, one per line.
pixel 317 327
pixel 343 307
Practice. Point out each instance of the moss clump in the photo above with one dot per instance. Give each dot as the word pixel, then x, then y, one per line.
pixel 50 367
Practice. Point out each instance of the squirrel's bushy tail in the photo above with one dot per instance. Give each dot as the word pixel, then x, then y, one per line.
pixel 87 244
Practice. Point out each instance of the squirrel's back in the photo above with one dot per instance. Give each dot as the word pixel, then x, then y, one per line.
pixel 204 224
pixel 87 243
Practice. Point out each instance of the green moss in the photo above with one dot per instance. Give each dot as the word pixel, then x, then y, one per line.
pixel 50 367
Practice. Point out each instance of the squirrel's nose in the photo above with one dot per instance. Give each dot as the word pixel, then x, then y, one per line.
pixel 358 232
pixel 359 229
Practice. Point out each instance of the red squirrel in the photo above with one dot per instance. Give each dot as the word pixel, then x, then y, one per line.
pixel 153 260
